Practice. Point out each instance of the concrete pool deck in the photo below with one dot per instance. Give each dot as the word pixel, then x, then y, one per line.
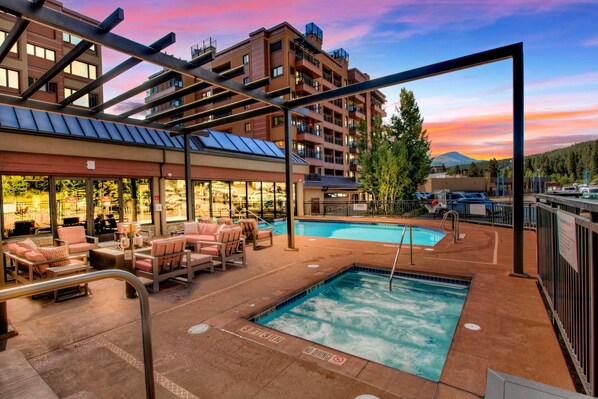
pixel 91 347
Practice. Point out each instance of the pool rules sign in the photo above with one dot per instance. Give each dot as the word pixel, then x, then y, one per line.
pixel 567 238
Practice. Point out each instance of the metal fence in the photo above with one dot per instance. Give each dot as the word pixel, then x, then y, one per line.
pixel 567 256
pixel 497 214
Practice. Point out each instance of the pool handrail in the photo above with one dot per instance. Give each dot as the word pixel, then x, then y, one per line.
pixel 78 279
pixel 455 216
pixel 257 217
pixel 394 265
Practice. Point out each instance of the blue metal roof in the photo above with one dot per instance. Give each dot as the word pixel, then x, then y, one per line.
pixel 57 124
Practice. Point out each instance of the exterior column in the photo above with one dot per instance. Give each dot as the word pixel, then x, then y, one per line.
pixel 518 167
pixel 188 182
pixel 288 160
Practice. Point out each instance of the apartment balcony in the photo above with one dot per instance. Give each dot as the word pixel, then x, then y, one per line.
pixel 336 106
pixel 338 160
pixel 328 122
pixel 329 139
pixel 353 148
pixel 357 112
pixel 338 141
pixel 327 81
pixel 309 65
pixel 160 93
pixel 309 134
pixel 338 122
pixel 329 159
pixel 309 153
pixel 358 98
pixel 354 166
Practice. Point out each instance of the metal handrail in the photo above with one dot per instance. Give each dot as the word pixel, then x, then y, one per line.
pixel 65 282
pixel 455 216
pixel 394 265
pixel 257 217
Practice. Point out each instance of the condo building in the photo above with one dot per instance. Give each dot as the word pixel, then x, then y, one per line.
pixel 284 62
pixel 37 50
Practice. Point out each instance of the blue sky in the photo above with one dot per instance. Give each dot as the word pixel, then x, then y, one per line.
pixel 468 111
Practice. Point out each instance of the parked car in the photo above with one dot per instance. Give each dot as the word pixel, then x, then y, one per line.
pixel 589 193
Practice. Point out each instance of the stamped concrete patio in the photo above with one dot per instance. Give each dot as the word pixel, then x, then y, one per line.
pixel 91 347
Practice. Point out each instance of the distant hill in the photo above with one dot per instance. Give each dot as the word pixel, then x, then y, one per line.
pixel 452 159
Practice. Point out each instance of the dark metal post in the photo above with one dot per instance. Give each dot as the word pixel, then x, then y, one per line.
pixel 188 182
pixel 518 161
pixel 288 160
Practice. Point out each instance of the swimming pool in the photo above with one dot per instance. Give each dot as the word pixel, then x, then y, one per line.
pixel 409 328
pixel 379 232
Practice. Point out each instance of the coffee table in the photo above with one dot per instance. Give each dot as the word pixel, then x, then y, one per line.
pixel 107 258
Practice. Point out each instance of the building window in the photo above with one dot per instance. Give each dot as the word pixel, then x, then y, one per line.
pixel 245 80
pixel 176 200
pixel 206 94
pixel 9 78
pixel 41 52
pixel 88 100
pixel 3 36
pixel 276 46
pixel 26 205
pixel 246 107
pixel 277 71
pixel 68 38
pixel 245 59
pixel 277 120
pixel 247 127
pixel 49 87
pixel 81 69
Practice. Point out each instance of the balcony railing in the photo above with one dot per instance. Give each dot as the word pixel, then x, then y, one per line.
pixel 338 141
pixel 329 158
pixel 327 76
pixel 328 139
pixel 309 153
pixel 353 108
pixel 337 83
pixel 338 160
pixel 308 80
pixel 308 129
pixel 328 118
pixel 338 122
pixel 301 55
pixel 315 108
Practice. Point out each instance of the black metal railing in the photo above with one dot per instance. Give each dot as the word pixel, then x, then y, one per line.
pixel 567 255
pixel 301 55
pixel 308 80
pixel 338 160
pixel 311 129
pixel 309 153
pixel 328 139
pixel 328 118
pixel 338 141
pixel 363 208
pixel 338 122
pixel 327 76
pixel 329 158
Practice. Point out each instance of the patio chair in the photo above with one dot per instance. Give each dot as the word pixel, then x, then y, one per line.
pixel 255 234
pixel 228 248
pixel 75 239
pixel 164 261
pixel 226 221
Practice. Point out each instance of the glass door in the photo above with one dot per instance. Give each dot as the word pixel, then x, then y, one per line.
pixel 71 202
pixel 106 206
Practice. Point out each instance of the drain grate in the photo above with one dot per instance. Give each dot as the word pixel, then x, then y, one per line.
pixel 198 329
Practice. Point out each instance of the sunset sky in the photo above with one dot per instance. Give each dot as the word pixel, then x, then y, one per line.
pixel 469 111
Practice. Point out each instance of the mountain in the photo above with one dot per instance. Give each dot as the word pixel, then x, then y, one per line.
pixel 452 159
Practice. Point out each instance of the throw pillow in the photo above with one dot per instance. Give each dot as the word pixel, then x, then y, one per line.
pixel 53 253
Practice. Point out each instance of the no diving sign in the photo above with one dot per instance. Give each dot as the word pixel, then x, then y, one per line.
pixel 324 355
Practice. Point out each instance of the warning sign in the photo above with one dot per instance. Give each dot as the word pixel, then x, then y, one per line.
pixel 324 355
pixel 261 333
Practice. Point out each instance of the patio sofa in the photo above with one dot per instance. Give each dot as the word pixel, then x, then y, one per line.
pixel 197 231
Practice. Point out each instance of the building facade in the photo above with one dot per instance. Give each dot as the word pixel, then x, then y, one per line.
pixel 327 137
pixel 37 50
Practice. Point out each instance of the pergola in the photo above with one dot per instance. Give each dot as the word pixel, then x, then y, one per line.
pixel 28 11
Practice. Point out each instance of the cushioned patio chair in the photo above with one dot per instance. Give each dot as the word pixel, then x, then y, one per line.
pixel 163 261
pixel 75 239
pixel 255 234
pixel 228 248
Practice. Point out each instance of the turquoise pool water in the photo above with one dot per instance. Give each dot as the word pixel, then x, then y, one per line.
pixel 409 328
pixel 379 232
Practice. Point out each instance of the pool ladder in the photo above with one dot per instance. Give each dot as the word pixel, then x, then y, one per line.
pixel 455 216
pixel 394 265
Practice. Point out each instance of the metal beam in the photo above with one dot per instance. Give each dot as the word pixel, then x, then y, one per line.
pixel 288 163
pixel 124 66
pixel 233 118
pixel 109 23
pixel 194 104
pixel 119 43
pixel 231 73
pixel 254 113
pixel 15 33
pixel 148 84
pixel 189 197
pixel 225 108
pixel 428 71
pixel 83 112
